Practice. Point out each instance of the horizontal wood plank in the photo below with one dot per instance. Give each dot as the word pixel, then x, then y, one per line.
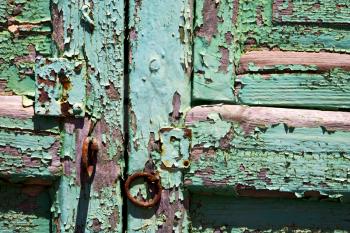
pixel 26 155
pixel 304 90
pixel 11 106
pixel 312 11
pixel 256 61
pixel 285 150
pixel 209 213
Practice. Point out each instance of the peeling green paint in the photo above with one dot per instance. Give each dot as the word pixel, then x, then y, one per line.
pixel 320 91
pixel 277 157
pixel 214 50
pixel 160 88
pixel 60 88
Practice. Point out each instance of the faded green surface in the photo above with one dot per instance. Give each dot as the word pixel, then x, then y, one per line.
pixel 309 26
pixel 160 67
pixel 321 91
pixel 214 47
pixel 314 11
pixel 227 214
pixel 45 150
pixel 24 209
pixel 60 88
pixel 278 158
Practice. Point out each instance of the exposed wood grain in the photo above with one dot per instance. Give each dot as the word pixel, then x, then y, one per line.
pixel 262 60
pixel 251 117
pixel 11 106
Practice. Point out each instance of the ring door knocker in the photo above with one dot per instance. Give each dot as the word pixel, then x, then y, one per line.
pixel 150 179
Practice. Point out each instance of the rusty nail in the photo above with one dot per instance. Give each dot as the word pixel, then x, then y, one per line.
pixel 151 179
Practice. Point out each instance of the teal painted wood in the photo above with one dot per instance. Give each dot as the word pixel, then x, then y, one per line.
pixel 227 214
pixel 318 91
pixel 314 11
pixel 160 68
pixel 285 150
pixel 214 46
pixel 44 153
pixel 93 32
pixel 267 25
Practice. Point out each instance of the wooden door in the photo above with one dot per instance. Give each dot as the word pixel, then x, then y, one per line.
pixel 241 109
pixel 61 81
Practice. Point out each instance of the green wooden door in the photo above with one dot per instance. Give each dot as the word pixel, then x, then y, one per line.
pixel 61 81
pixel 241 108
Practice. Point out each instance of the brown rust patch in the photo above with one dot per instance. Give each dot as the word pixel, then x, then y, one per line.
pixel 259 18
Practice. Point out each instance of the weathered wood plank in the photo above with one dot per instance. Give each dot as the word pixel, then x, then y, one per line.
pixel 26 155
pixel 255 29
pixel 251 117
pixel 24 208
pixel 321 91
pixel 286 150
pixel 257 61
pixel 160 89
pixel 94 32
pixel 239 215
pixel 312 11
pixel 11 106
pixel 214 49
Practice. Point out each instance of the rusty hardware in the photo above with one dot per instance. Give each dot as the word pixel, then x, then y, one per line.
pixel 151 179
pixel 89 155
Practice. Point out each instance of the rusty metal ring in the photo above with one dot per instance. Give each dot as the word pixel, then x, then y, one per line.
pixel 150 179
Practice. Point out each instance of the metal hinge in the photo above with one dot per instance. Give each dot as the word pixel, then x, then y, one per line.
pixel 60 87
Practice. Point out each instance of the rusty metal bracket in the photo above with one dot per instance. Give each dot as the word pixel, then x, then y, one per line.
pixel 60 87
pixel 89 155
pixel 176 145
pixel 151 179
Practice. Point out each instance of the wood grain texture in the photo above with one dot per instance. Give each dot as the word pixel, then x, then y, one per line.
pixel 304 90
pixel 256 61
pixel 251 117
pixel 284 150
pixel 11 106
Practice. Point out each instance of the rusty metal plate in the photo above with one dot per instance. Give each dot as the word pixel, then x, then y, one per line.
pixel 176 144
pixel 60 87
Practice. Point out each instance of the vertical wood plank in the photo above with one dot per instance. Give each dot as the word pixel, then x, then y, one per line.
pixel 214 50
pixel 93 31
pixel 160 68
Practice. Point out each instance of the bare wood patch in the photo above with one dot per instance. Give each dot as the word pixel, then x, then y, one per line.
pixel 11 106
pixel 323 61
pixel 251 117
